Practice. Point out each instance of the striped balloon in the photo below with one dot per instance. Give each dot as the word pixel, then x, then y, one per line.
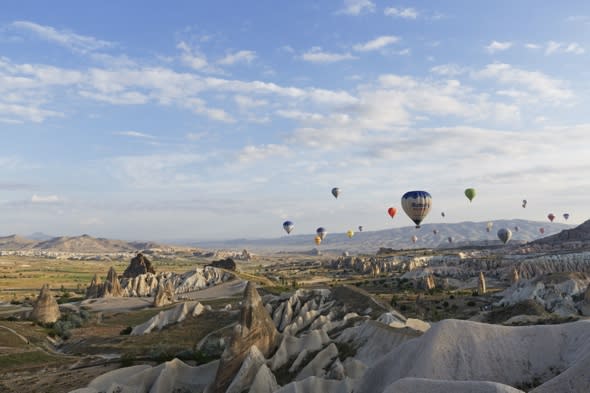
pixel 417 204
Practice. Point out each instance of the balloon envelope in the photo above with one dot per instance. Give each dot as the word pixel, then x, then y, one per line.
pixel 504 235
pixel 414 239
pixel 551 217
pixel 489 226
pixel 516 228
pixel 524 202
pixel 392 211
pixel 321 232
pixel 470 193
pixel 417 204
pixel 317 240
pixel 288 226
pixel 566 216
pixel 542 230
pixel 442 214
pixel 450 239
pixel 335 192
pixel 360 228
pixel 435 231
pixel 350 233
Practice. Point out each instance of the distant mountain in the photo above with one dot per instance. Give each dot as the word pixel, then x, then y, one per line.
pixel 74 244
pixel 579 234
pixel 38 236
pixel 463 234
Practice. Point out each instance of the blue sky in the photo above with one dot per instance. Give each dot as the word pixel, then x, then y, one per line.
pixel 222 119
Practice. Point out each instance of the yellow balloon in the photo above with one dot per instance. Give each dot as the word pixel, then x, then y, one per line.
pixel 350 233
pixel 318 240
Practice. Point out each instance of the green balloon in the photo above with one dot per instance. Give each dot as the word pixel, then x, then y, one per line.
pixel 470 193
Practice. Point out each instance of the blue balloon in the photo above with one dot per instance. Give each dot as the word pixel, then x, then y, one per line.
pixel 417 204
pixel 288 226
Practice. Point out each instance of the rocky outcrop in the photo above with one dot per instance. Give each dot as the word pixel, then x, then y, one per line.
pixel 111 286
pixel 481 284
pixel 169 317
pixel 515 277
pixel 45 309
pixel 138 265
pixel 256 328
pixel 93 290
pixel 429 282
pixel 227 264
pixel 164 295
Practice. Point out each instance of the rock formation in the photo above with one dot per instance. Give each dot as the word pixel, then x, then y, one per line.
pixel 93 290
pixel 256 328
pixel 45 309
pixel 227 264
pixel 481 284
pixel 246 256
pixel 138 265
pixel 111 286
pixel 429 282
pixel 587 295
pixel 515 276
pixel 164 294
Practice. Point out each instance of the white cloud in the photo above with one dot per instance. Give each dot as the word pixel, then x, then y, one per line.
pixel 448 70
pixel 134 134
pixel 536 83
pixel 45 199
pixel 377 43
pixel 194 59
pixel 316 55
pixel 195 136
pixel 496 46
pixel 246 103
pixel 16 113
pixel 532 46
pixel 554 47
pixel 68 39
pixel 243 56
pixel 356 7
pixel 406 13
pixel 252 153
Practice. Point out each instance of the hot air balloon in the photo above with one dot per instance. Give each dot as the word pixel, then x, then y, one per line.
pixel 360 228
pixel 504 235
pixel 321 232
pixel 470 193
pixel 391 211
pixel 442 214
pixel 551 217
pixel 450 239
pixel 516 228
pixel 317 240
pixel 417 204
pixel 524 202
pixel 288 226
pixel 335 192
pixel 542 230
pixel 414 239
pixel 566 216
pixel 489 226
pixel 435 231
pixel 349 233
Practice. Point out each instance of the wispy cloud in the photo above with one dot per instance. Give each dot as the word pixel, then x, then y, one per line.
pixel 357 7
pixel 134 134
pixel 73 41
pixel 194 59
pixel 496 46
pixel 532 46
pixel 405 13
pixel 554 47
pixel 252 153
pixel 45 198
pixel 316 55
pixel 448 70
pixel 243 56
pixel 377 43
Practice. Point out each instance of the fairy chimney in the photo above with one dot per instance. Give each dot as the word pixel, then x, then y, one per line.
pixel 45 309
pixel 481 289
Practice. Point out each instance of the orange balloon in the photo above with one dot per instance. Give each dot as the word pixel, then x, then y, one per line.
pixel 391 211
pixel 317 240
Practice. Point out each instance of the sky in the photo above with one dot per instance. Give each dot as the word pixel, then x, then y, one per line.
pixel 221 119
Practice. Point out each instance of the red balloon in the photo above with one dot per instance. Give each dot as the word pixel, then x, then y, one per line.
pixel 551 217
pixel 542 230
pixel 391 211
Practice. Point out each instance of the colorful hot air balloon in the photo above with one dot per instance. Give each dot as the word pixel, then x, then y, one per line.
pixel 317 240
pixel 435 231
pixel 516 228
pixel 392 211
pixel 335 192
pixel 542 230
pixel 504 235
pixel 417 204
pixel 489 226
pixel 551 217
pixel 566 216
pixel 470 193
pixel 349 233
pixel 524 202
pixel 414 239
pixel 288 226
pixel 360 228
pixel 442 214
pixel 321 232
